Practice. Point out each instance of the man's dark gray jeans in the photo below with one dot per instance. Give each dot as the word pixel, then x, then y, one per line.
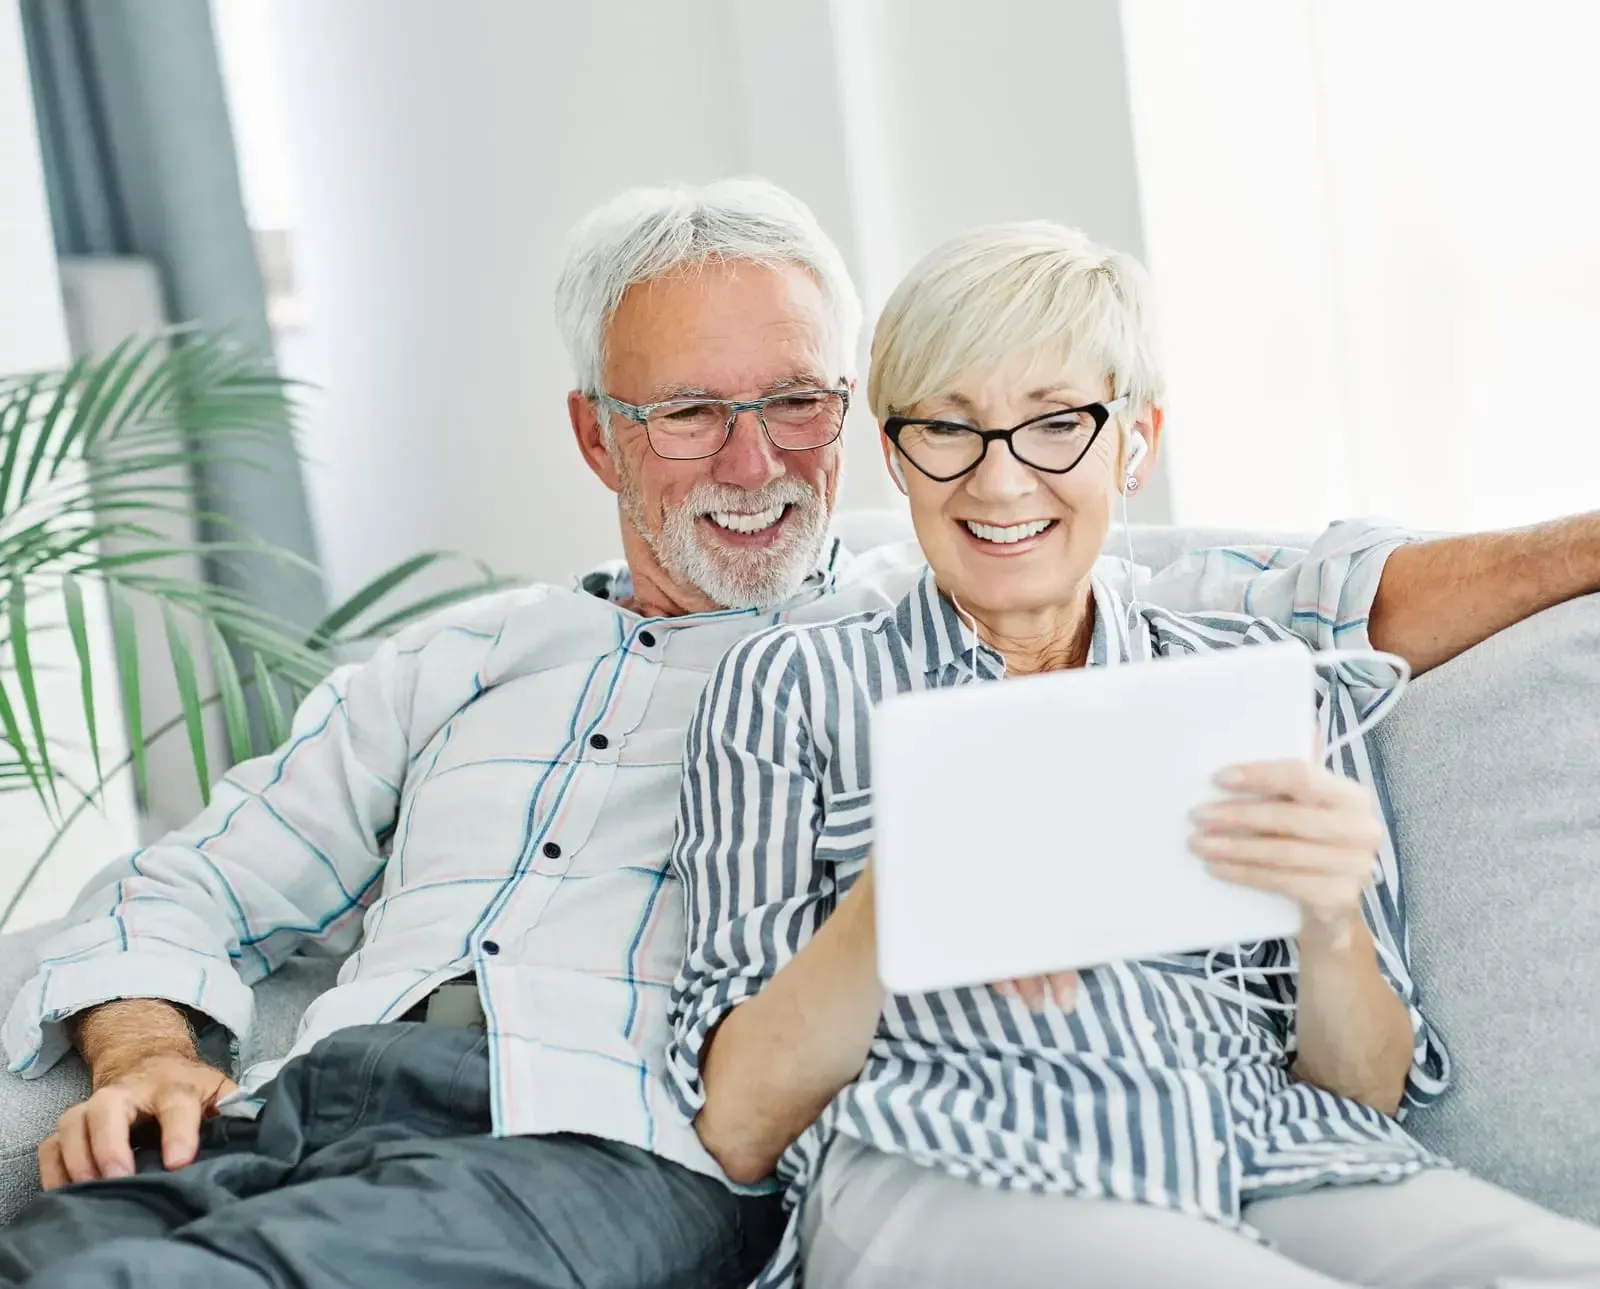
pixel 371 1165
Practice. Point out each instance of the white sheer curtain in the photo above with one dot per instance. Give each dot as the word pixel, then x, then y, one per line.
pixel 1464 188
pixel 1375 230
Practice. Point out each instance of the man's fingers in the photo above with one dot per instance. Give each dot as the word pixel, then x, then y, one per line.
pixel 72 1136
pixel 52 1171
pixel 108 1120
pixel 178 1111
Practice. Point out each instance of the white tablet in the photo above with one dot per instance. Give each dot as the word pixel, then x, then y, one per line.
pixel 1042 823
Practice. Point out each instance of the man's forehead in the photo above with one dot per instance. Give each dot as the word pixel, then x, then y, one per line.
pixel 721 331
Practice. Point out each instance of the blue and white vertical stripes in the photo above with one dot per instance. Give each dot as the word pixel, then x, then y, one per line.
pixel 1162 1087
pixel 495 792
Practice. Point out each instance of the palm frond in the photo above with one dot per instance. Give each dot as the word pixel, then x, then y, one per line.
pixel 96 464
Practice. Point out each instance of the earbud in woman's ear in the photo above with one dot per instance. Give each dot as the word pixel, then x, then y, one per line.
pixel 897 469
pixel 1138 449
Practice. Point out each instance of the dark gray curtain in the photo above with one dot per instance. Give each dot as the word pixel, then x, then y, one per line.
pixel 139 160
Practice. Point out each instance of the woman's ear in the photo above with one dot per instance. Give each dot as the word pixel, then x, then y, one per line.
pixel 891 458
pixel 1138 465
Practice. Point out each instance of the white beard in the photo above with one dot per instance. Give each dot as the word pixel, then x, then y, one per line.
pixel 736 579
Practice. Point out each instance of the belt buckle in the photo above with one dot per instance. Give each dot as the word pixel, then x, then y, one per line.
pixel 456 1002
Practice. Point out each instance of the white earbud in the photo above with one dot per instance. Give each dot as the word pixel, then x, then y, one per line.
pixel 1138 449
pixel 897 470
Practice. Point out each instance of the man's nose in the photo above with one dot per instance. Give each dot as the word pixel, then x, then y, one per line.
pixel 748 459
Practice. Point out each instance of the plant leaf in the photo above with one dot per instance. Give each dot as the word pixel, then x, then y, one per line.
pixel 431 604
pixel 22 664
pixel 72 594
pixel 272 712
pixel 235 715
pixel 189 699
pixel 380 586
pixel 125 638
pixel 14 739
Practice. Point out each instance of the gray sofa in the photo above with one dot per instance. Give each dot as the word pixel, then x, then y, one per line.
pixel 1492 769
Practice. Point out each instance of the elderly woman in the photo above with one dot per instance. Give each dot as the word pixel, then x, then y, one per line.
pixel 1145 1124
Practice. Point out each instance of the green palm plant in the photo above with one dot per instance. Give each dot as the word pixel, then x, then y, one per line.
pixel 94 480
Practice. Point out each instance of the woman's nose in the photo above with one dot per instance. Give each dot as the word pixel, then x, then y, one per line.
pixel 999 476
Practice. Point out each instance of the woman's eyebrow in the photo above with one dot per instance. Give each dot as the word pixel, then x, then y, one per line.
pixel 1071 392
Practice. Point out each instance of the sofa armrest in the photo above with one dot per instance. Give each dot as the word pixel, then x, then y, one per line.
pixel 29 1108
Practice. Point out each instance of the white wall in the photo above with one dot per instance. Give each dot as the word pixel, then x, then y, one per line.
pixel 441 152
pixel 33 337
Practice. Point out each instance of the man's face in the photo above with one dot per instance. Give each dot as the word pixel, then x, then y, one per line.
pixel 746 526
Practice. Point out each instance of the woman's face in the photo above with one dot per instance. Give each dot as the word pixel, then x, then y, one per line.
pixel 1004 537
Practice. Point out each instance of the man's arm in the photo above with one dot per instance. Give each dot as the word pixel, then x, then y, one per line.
pixel 1361 585
pixel 1437 599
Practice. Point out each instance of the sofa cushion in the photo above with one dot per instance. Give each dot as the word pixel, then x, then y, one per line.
pixel 1492 766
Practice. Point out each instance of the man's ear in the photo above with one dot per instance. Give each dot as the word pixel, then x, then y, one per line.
pixel 586 427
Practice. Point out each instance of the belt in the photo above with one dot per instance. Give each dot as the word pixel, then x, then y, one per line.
pixel 455 1002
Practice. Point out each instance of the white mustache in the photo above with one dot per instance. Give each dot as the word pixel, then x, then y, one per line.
pixel 709 497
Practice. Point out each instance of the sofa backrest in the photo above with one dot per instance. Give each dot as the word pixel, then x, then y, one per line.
pixel 1491 766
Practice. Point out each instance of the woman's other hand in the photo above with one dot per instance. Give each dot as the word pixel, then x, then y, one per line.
pixel 1297 829
pixel 1037 992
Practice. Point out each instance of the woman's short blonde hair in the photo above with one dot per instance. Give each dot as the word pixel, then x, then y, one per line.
pixel 983 298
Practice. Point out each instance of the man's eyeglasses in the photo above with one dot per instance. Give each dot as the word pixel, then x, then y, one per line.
pixel 1053 443
pixel 687 429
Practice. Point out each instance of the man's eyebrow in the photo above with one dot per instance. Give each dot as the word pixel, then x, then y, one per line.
pixel 800 380
pixel 666 393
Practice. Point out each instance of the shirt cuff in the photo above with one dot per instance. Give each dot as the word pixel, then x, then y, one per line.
pixel 35 1034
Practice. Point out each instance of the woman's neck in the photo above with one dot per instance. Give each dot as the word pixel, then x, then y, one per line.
pixel 1036 640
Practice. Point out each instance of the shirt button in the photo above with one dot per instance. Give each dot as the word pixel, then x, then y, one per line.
pixel 491 947
pixel 599 742
pixel 1219 1150
pixel 647 639
pixel 551 850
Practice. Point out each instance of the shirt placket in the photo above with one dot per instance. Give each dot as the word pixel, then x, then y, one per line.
pixel 570 807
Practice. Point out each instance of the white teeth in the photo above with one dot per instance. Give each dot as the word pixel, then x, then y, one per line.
pixel 1005 536
pixel 735 522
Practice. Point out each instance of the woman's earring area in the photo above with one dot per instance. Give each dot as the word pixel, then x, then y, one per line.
pixel 897 470
pixel 1138 449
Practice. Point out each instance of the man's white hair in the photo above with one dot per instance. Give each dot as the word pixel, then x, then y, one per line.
pixel 1005 290
pixel 647 233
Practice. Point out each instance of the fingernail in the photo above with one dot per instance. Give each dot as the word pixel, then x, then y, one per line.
pixel 1232 778
pixel 1205 814
pixel 118 1169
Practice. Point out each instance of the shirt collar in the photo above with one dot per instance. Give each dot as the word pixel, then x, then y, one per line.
pixel 945 646
pixel 613 580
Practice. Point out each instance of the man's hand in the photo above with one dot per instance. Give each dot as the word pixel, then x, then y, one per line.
pixel 92 1139
pixel 1296 829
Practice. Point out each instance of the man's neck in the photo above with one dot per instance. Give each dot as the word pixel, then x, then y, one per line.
pixel 656 594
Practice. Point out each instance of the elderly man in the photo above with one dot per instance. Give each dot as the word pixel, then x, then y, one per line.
pixel 480 817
